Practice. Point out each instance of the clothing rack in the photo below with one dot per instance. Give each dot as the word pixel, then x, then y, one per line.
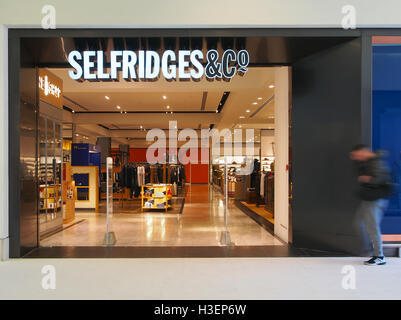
pixel 138 162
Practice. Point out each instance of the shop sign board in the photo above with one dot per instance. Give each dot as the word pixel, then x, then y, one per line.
pixel 50 88
pixel 148 65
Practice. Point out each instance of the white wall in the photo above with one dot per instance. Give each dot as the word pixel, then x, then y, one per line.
pixel 281 139
pixel 296 13
pixel 266 142
pixel 3 144
pixel 178 13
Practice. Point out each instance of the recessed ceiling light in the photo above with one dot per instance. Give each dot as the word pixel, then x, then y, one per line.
pixel 164 97
pixel 240 126
pixel 260 98
pixel 254 103
pixel 76 134
pixel 73 111
pixel 118 107
pixel 271 86
pixel 168 107
pixel 217 111
pixel 242 117
pixel 141 127
pixel 248 110
pixel 107 97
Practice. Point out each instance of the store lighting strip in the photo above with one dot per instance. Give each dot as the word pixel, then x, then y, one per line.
pixel 262 106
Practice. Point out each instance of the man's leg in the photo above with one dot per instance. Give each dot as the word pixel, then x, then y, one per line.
pixel 373 217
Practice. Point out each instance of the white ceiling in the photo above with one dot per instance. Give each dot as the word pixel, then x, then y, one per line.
pixel 249 92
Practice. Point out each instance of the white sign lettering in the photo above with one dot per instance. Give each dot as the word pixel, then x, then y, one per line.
pixel 49 88
pixel 148 64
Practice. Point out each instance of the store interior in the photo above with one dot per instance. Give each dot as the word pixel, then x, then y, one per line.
pixel 162 204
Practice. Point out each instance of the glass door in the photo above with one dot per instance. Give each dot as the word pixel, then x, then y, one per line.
pixel 50 176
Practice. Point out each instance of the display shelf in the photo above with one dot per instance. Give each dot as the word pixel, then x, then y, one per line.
pixel 161 197
pixel 50 197
pixel 166 189
pixel 267 163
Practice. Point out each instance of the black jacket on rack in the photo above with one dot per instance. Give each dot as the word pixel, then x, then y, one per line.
pixel 255 175
pixel 160 173
pixel 129 179
pixel 147 174
pixel 182 174
pixel 177 174
pixel 174 178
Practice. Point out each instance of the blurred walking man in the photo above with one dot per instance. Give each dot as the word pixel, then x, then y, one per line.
pixel 374 188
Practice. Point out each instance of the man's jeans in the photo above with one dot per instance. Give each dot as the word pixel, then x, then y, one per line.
pixel 370 214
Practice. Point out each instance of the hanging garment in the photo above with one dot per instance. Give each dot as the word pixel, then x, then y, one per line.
pixel 130 177
pixel 174 189
pixel 148 174
pixel 182 174
pixel 141 175
pixel 262 184
pixel 153 175
pixel 123 177
pixel 160 174
pixel 255 174
pixel 174 175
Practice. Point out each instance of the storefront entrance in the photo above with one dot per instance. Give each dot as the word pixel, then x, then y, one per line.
pixel 282 89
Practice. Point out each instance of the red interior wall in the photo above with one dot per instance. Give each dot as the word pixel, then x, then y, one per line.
pixel 137 154
pixel 199 171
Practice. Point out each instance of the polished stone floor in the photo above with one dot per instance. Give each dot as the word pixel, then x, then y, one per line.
pixel 200 224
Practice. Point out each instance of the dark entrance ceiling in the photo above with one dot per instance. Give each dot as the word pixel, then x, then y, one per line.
pixel 53 51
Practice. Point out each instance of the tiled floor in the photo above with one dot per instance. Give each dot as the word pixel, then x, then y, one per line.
pixel 200 224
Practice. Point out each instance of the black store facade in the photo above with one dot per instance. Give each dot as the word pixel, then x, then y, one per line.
pixel 331 111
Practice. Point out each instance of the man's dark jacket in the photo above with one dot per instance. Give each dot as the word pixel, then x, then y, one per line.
pixel 379 187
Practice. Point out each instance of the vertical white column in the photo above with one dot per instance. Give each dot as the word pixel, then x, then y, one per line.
pixel 281 184
pixel 4 243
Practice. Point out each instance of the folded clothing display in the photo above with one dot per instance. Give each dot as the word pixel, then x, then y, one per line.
pixel 161 205
pixel 157 196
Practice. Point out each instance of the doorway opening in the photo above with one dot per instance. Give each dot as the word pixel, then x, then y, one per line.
pixel 178 198
pixel 93 123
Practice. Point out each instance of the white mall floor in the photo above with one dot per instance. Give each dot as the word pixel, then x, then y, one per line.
pixel 220 278
pixel 200 224
pixel 195 278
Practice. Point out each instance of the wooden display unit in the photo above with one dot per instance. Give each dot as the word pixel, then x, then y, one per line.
pixel 86 191
pixel 50 197
pixel 162 193
pixel 68 194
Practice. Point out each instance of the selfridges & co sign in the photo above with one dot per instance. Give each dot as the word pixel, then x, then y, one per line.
pixel 147 65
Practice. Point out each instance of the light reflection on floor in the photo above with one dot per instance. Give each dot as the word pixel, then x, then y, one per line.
pixel 200 224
